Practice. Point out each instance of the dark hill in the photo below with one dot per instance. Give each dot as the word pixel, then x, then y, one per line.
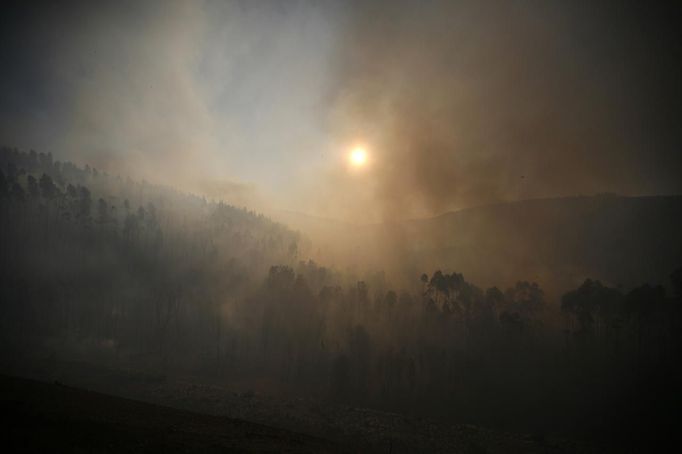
pixel 43 417
pixel 557 242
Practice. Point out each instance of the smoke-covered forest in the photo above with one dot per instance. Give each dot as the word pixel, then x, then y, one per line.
pixel 104 269
pixel 394 226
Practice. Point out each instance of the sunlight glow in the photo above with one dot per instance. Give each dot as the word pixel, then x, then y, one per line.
pixel 358 156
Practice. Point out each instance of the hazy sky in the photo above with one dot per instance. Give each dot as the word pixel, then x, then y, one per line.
pixel 458 103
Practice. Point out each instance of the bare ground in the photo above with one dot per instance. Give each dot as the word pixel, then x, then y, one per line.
pixel 211 418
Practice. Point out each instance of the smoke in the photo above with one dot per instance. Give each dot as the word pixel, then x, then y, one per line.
pixel 459 103
pixel 218 98
pixel 468 103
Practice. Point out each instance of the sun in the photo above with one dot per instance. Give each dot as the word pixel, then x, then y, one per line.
pixel 358 156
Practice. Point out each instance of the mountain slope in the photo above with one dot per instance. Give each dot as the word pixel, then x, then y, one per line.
pixel 557 242
pixel 55 418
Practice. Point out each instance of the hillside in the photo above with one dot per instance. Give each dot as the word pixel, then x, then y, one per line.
pixel 55 418
pixel 200 418
pixel 87 255
pixel 557 242
pixel 105 270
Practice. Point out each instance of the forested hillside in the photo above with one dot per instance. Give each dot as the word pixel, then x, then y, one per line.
pixel 92 261
pixel 105 269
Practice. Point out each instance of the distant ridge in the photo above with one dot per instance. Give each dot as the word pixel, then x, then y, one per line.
pixel 622 240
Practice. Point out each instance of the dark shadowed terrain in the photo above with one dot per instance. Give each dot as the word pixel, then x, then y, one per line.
pixel 184 416
pixel 57 418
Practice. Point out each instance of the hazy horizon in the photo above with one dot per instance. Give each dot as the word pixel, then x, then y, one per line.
pixel 458 104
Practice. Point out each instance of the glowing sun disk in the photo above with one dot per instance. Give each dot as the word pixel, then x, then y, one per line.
pixel 358 156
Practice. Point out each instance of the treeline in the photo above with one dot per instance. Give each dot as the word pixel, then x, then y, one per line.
pixel 101 268
pixel 505 358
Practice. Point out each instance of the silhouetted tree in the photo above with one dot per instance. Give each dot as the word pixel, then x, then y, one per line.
pixel 32 186
pixel 47 187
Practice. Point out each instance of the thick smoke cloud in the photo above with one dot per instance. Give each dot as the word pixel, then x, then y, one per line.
pixel 114 78
pixel 460 103
pixel 218 98
pixel 468 103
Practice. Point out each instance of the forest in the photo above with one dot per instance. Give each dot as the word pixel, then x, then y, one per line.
pixel 103 268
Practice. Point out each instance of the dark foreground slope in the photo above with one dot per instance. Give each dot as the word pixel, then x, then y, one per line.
pixel 57 418
pixel 41 417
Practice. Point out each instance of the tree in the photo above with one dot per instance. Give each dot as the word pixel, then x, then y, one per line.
pixel 32 186
pixel 4 189
pixel 592 303
pixel 359 348
pixel 280 278
pixel 32 160
pixel 340 382
pixel 103 212
pixel 494 298
pixel 451 292
pixel 17 192
pixel 131 227
pixel 47 187
pixel 71 191
pixel 522 303
pixel 293 250
pixel 391 299
pixel 525 298
pixel 84 204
